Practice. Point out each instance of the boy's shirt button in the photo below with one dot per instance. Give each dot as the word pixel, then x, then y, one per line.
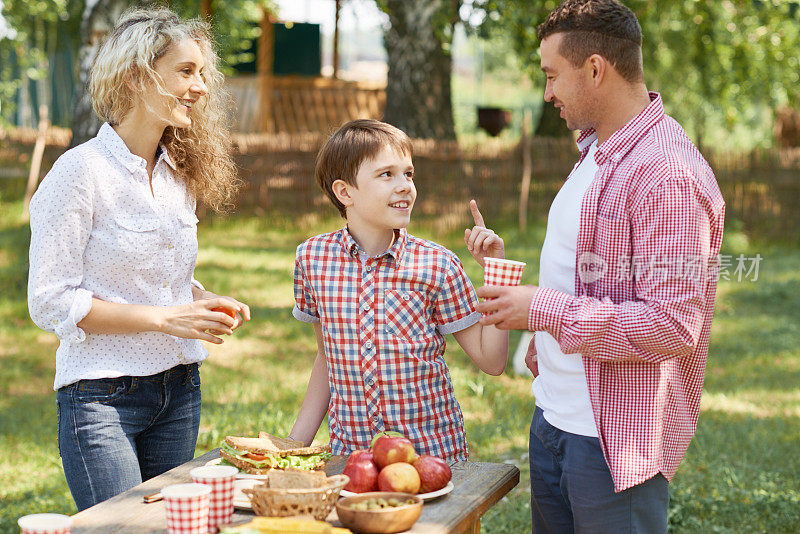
pixel 365 307
pixel 368 344
pixel 368 268
pixel 370 381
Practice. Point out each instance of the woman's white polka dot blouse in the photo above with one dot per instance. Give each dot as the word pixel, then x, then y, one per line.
pixel 98 231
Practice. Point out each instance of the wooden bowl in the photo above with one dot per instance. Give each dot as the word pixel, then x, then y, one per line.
pixel 383 521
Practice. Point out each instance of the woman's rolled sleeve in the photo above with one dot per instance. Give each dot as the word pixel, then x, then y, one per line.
pixel 68 329
pixel 61 222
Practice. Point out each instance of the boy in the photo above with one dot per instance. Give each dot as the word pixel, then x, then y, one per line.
pixel 381 301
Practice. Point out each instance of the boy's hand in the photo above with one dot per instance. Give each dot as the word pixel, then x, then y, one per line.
pixel 481 241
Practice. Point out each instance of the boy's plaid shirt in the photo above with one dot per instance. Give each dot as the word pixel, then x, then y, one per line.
pixel 383 325
pixel 646 276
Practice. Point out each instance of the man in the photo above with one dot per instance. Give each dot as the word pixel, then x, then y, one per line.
pixel 627 284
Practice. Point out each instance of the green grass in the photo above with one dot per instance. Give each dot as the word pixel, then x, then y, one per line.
pixel 741 473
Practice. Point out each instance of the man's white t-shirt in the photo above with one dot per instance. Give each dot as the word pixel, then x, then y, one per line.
pixel 560 389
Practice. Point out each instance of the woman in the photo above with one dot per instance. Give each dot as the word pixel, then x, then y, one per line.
pixel 113 250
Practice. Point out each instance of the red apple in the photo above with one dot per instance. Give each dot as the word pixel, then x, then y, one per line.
pixel 434 473
pixel 399 476
pixel 392 449
pixel 384 433
pixel 362 471
pixel 360 455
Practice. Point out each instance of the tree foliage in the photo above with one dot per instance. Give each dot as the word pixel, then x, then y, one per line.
pixel 31 39
pixel 39 27
pixel 713 61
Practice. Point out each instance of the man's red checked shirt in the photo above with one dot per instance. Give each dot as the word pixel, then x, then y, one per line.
pixel 646 277
pixel 383 324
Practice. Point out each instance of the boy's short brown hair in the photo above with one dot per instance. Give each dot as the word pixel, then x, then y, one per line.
pixel 604 27
pixel 352 144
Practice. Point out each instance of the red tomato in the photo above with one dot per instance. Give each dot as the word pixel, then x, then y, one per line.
pixel 256 457
pixel 226 311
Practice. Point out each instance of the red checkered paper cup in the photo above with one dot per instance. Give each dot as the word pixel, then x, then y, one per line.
pixel 45 524
pixel 220 478
pixel 187 508
pixel 501 272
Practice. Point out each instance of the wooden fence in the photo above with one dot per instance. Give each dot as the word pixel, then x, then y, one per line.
pixel 761 189
pixel 279 171
pixel 300 104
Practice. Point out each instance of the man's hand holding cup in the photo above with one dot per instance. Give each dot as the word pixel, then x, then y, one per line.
pixel 504 303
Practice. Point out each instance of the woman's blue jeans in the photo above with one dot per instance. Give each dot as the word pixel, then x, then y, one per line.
pixel 114 433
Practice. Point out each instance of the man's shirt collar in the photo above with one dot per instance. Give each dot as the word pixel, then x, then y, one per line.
pixel 621 141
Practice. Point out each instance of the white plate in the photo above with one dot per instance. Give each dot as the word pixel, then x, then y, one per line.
pixel 240 474
pixel 424 496
pixel 240 500
pixel 242 505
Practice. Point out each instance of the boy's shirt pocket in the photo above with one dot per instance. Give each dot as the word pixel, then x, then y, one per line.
pixel 406 313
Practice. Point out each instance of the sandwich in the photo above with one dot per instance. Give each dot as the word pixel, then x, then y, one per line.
pixel 258 455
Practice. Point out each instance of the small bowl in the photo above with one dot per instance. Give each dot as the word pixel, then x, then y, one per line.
pixel 384 521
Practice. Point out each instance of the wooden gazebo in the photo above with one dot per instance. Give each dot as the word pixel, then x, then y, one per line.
pixel 269 103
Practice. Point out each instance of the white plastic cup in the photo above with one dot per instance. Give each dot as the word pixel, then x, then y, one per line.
pixel 187 508
pixel 45 524
pixel 220 478
pixel 502 272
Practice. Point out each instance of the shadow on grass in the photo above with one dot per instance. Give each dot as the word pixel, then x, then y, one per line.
pixel 49 495
pixel 25 374
pixel 28 434
pixel 739 475
pixel 29 420
pixel 755 333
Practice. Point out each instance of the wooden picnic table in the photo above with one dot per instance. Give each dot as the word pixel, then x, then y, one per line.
pixel 478 486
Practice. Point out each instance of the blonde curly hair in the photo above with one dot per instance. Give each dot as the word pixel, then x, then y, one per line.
pixel 124 69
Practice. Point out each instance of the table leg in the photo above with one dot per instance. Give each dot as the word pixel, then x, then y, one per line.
pixel 476 527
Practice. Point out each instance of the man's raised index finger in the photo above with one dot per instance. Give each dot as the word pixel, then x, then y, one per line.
pixel 476 213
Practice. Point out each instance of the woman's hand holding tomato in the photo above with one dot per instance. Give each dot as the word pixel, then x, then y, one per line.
pixel 230 306
pixel 205 319
pixel 238 311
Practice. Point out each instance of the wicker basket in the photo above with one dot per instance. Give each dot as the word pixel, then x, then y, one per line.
pixel 285 502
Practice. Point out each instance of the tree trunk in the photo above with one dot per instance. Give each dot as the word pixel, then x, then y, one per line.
pixel 418 98
pixel 97 20
pixel 36 161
